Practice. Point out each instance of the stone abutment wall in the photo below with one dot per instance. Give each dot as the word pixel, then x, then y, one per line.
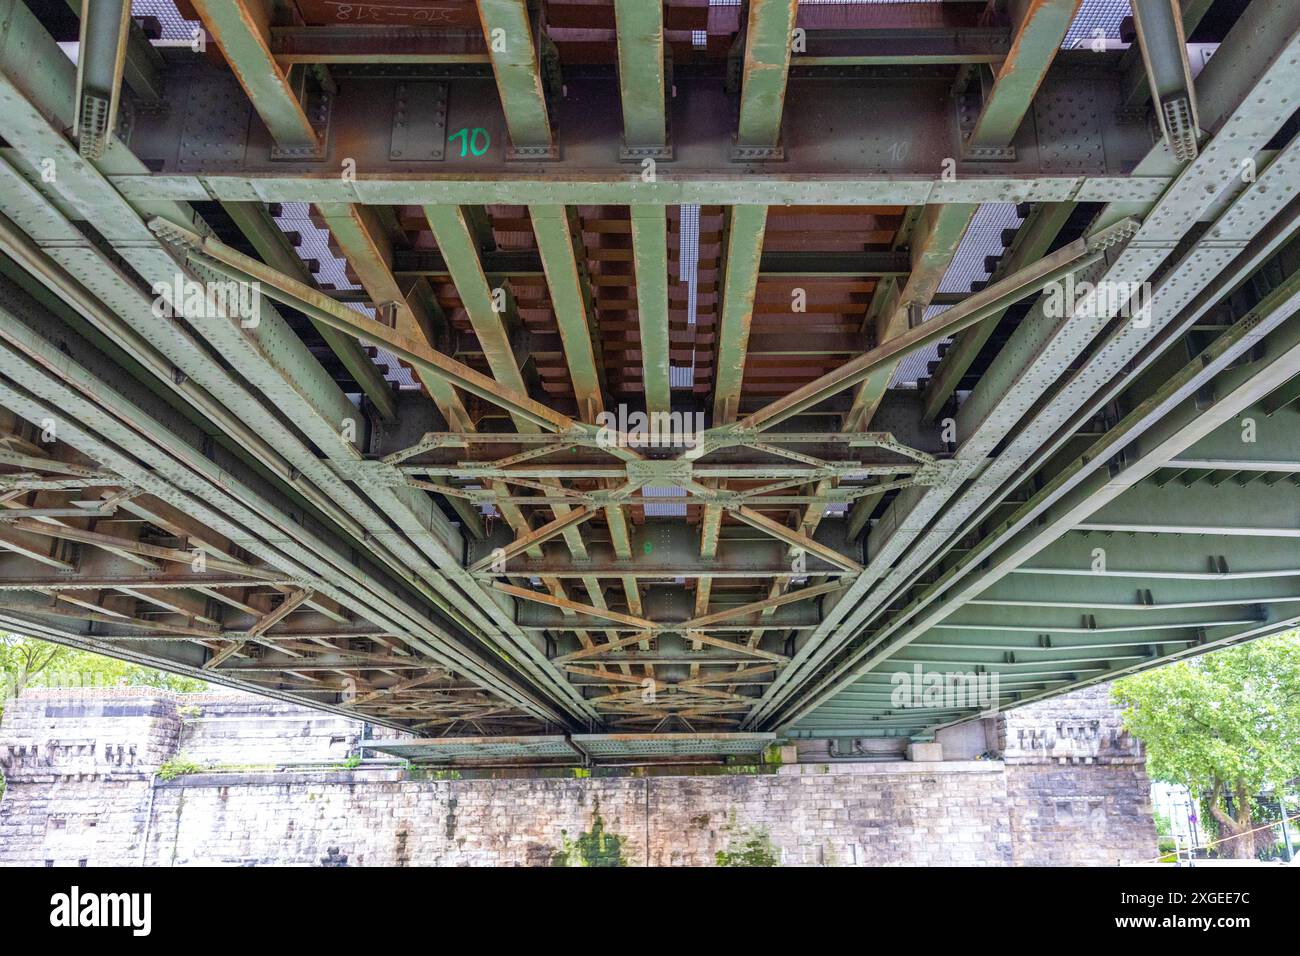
pixel 83 787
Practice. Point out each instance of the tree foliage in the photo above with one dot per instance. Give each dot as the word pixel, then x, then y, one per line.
pixel 27 662
pixel 1226 725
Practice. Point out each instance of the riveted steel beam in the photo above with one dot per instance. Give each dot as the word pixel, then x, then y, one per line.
pixel 1032 241
pixel 743 255
pixel 569 299
pixel 672 552
pixel 143 67
pixel 740 283
pixel 357 43
pixel 456 241
pixel 367 248
pixel 1163 44
pixel 766 67
pixel 508 32
pixel 313 302
pixel 424 262
pixel 242 31
pixel 989 301
pixel 673 615
pixel 273 247
pixel 938 235
pixel 901 45
pixel 1137 89
pixel 795 539
pixel 861 165
pixel 650 250
pixel 989 414
pixel 640 25
pixel 164 461
pixel 532 539
pixel 1042 26
pixel 363 242
pixel 30 132
pixel 101 64
pixel 452 232
pixel 1169 421
pixel 1199 509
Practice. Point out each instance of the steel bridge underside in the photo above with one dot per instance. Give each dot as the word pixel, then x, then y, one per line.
pixel 328 353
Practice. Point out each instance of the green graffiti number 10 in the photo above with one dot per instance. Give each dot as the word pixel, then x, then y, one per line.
pixel 474 140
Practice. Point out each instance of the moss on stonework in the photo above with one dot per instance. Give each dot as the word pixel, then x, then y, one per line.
pixel 593 848
pixel 747 846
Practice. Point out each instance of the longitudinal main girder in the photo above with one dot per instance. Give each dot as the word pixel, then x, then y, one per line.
pixel 488 380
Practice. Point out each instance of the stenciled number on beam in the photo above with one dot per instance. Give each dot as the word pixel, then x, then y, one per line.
pixel 469 140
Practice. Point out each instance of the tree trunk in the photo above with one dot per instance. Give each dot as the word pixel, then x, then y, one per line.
pixel 1238 842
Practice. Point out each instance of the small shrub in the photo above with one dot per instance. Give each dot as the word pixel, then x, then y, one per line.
pixel 179 766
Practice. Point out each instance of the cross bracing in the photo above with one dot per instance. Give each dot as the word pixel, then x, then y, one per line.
pixel 576 411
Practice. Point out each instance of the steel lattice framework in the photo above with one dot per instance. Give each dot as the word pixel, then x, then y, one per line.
pixel 638 380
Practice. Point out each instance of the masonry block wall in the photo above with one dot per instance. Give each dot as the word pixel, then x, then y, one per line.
pixel 81 769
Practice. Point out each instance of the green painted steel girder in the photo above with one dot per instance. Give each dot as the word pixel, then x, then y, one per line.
pixel 1163 44
pixel 938 236
pixel 508 32
pixel 640 25
pixel 1033 240
pixel 1202 509
pixel 740 283
pixel 570 299
pixel 143 67
pixel 903 45
pixel 425 262
pixel 455 239
pixel 243 31
pixel 1137 91
pixel 26 53
pixel 1032 364
pixel 766 67
pixel 674 552
pixel 362 240
pixel 1120 591
pixel 1038 37
pixel 650 251
pixel 101 65
pixel 1054 268
pixel 160 453
pixel 1154 562
pixel 861 164
pixel 364 243
pixel 1183 424
pixel 273 247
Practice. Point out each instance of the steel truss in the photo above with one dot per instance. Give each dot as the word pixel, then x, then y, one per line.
pixel 497 552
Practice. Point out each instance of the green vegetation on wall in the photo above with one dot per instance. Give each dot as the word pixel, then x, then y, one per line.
pixel 593 848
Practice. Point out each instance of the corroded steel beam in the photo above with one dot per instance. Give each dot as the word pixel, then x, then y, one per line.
pixel 242 30
pixel 508 33
pixel 766 66
pixel 1039 33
